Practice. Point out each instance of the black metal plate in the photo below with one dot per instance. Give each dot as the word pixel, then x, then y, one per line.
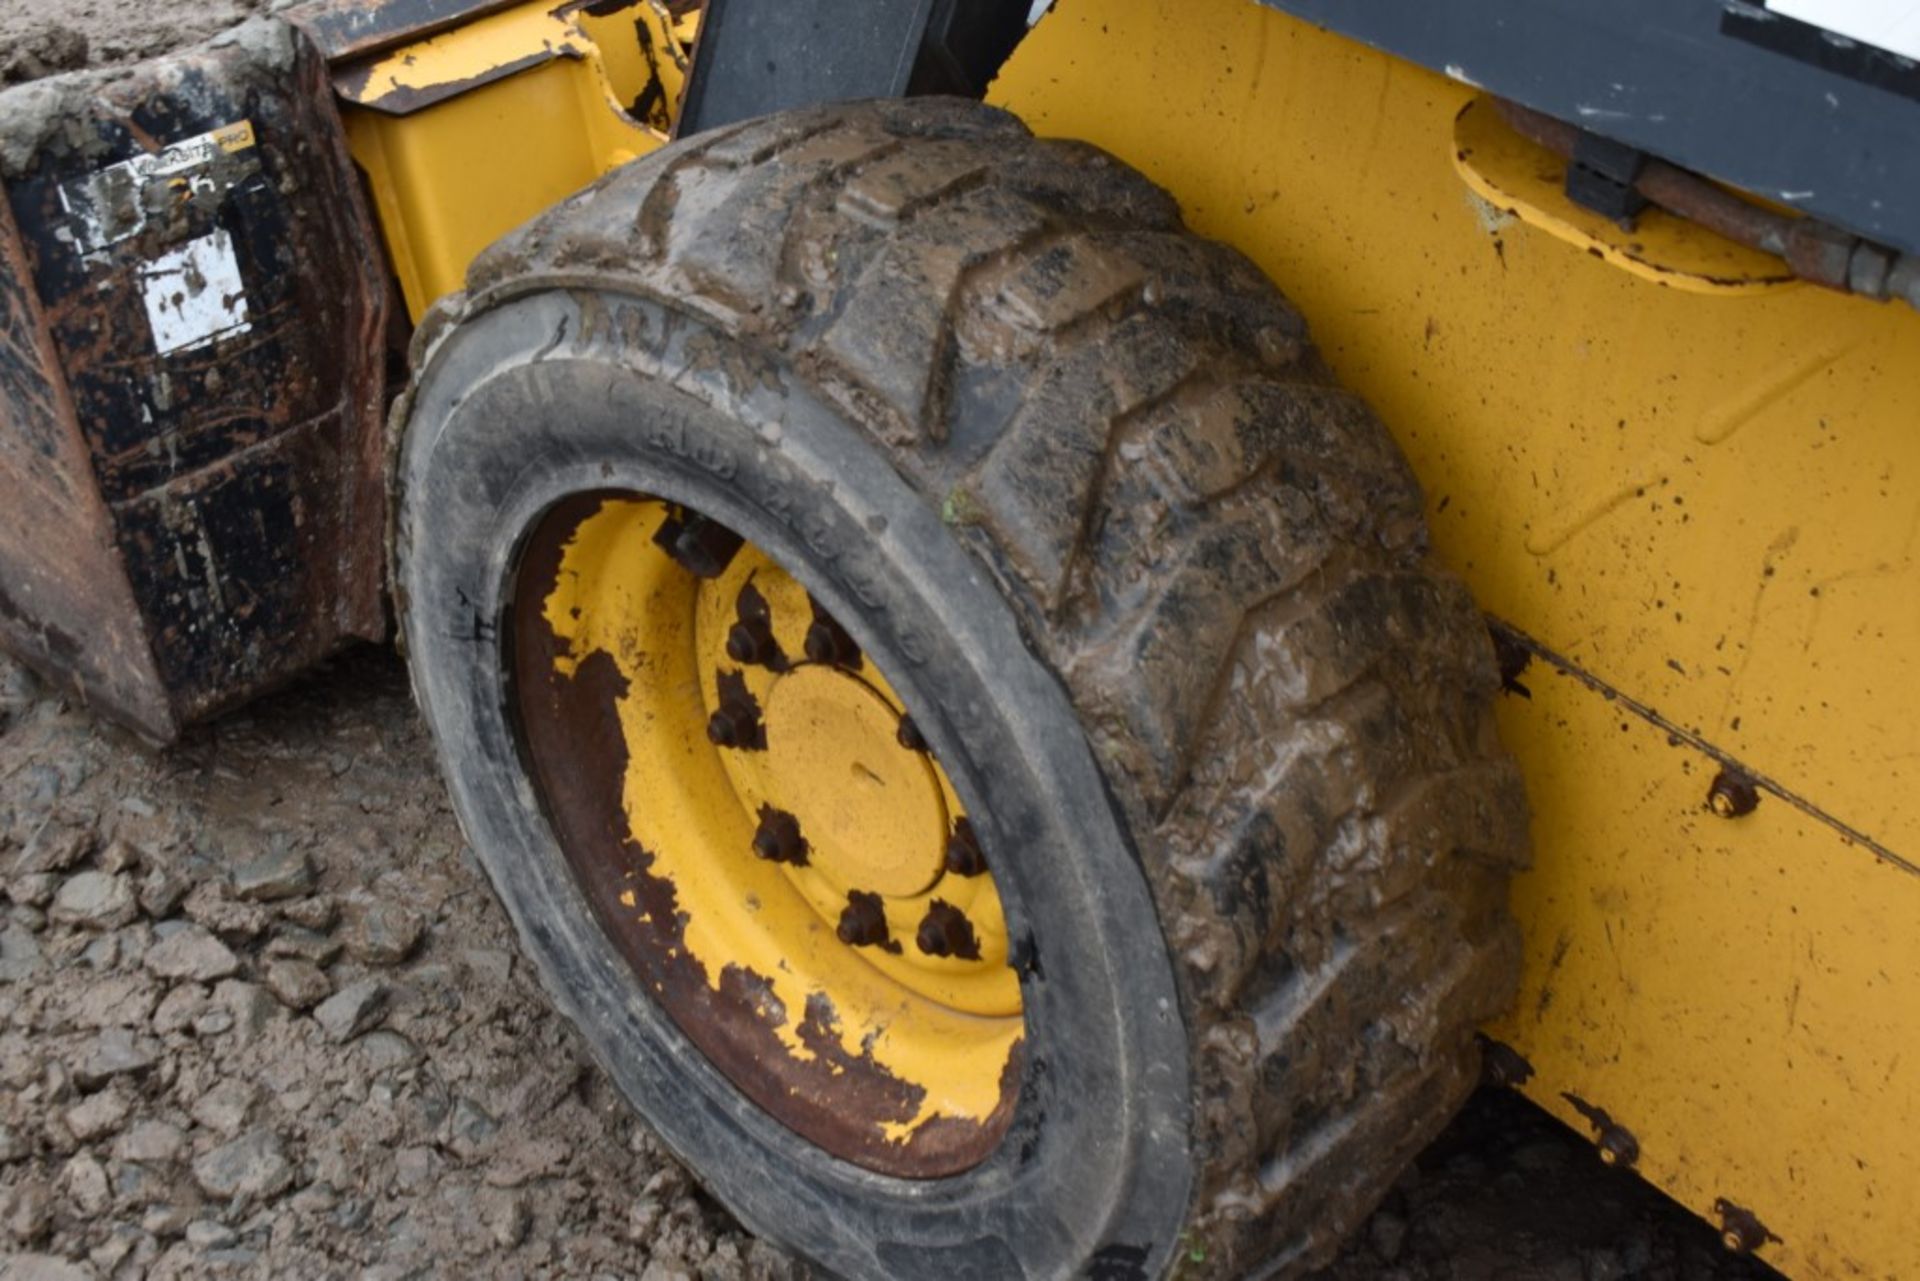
pixel 754 57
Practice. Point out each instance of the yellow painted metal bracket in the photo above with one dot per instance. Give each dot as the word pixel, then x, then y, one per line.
pixel 468 133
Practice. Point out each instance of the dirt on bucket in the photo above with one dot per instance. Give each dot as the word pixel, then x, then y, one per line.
pixel 45 37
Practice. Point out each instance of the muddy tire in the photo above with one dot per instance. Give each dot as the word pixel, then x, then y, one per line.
pixel 1156 590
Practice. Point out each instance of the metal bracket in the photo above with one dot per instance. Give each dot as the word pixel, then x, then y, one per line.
pixel 1601 175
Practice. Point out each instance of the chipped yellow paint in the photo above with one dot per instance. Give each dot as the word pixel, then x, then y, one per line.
pixel 1708 500
pixel 946 1025
pixel 469 53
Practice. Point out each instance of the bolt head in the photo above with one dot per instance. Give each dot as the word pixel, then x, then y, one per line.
pixel 931 939
pixel 778 839
pixel 863 922
pixel 1732 795
pixel 946 931
pixel 820 646
pixel 721 731
pixel 964 856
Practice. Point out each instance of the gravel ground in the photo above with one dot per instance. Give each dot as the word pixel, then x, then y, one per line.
pixel 260 1015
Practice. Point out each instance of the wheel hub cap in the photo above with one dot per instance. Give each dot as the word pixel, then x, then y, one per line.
pixel 870 809
pixel 761 830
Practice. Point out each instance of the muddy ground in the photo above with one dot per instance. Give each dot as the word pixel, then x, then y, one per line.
pixel 261 1016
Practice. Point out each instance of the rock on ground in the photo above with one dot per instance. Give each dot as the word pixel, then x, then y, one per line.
pixel 254 1166
pixel 190 952
pixel 97 900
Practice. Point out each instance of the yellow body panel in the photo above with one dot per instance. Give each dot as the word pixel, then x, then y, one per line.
pixel 468 134
pixel 1706 507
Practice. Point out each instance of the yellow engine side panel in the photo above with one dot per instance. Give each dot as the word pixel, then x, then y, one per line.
pixel 1703 510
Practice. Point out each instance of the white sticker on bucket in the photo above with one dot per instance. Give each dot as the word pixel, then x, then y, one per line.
pixel 110 205
pixel 194 294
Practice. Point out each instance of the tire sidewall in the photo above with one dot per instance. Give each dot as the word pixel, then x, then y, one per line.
pixel 560 391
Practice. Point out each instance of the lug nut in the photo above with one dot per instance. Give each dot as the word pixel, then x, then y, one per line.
pixel 964 857
pixel 863 922
pixel 828 642
pixel 736 722
pixel 751 644
pixel 702 547
pixel 946 931
pixel 910 736
pixel 750 639
pixel 778 838
pixel 1732 794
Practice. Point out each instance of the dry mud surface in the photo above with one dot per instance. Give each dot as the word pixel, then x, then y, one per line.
pixel 261 1016
pixel 42 37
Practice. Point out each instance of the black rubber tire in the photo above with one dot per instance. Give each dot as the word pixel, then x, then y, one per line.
pixel 1157 590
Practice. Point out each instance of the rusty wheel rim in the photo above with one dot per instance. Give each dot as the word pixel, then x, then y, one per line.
pixel 763 832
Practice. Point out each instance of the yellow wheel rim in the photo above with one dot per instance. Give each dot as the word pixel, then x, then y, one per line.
pixel 760 829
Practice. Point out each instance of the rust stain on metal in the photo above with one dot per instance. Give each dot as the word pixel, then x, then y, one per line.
pixel 1513 659
pixel 1679 735
pixel 840 1100
pixel 65 604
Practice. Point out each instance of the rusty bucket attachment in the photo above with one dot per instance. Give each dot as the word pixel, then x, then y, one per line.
pixel 193 307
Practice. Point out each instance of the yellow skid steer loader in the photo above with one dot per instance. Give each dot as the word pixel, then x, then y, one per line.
pixel 1057 625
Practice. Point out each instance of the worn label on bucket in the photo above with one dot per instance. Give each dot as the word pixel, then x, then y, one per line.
pixel 111 204
pixel 194 294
